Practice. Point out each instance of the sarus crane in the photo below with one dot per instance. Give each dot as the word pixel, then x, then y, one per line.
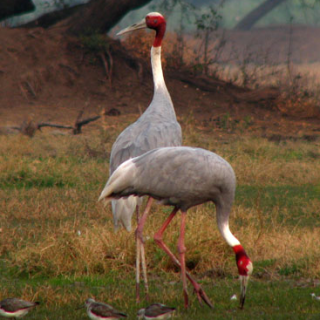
pixel 157 127
pixel 183 177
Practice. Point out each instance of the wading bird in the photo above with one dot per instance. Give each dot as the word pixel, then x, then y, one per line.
pixel 99 311
pixel 157 127
pixel 183 177
pixel 15 308
pixel 156 311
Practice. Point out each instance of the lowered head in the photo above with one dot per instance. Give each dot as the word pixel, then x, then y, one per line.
pixel 245 268
pixel 141 313
pixel 153 20
pixel 89 302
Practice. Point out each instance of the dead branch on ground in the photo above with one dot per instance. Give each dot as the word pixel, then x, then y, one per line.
pixel 29 127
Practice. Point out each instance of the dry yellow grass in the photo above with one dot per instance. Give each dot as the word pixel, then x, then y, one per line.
pixel 60 229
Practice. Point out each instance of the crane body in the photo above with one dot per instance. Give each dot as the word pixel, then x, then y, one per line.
pixel 157 127
pixel 183 177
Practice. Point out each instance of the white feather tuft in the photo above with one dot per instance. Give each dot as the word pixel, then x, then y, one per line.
pixel 118 181
pixel 123 210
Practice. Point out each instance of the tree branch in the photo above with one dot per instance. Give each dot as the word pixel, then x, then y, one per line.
pixel 255 15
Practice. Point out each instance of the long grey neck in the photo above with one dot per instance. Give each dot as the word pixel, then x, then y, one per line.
pixel 157 73
pixel 161 101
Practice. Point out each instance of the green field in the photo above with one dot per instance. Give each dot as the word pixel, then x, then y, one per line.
pixel 57 244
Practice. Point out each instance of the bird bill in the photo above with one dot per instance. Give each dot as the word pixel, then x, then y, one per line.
pixel 243 283
pixel 137 26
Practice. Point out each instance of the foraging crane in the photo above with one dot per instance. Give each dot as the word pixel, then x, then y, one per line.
pixel 157 127
pixel 15 308
pixel 183 177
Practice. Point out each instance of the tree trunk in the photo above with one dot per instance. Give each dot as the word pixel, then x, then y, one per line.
pixel 255 15
pixel 99 15
pixel 51 18
pixel 10 8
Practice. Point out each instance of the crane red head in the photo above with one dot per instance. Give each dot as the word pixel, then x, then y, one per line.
pixel 153 20
pixel 245 268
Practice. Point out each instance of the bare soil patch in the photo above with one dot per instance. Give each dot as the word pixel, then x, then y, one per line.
pixel 48 76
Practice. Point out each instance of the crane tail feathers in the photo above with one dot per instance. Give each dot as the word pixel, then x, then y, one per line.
pixel 123 210
pixel 105 195
pixel 118 181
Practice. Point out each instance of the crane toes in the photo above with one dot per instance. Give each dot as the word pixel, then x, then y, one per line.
pixel 201 295
pixel 206 299
pixel 186 299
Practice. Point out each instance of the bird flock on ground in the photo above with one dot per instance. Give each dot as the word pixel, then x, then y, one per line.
pixel 147 159
pixel 18 308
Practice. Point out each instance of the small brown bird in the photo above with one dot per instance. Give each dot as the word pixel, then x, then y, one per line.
pixel 99 311
pixel 15 308
pixel 156 311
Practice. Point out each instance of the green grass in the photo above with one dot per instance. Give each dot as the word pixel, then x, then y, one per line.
pixel 266 299
pixel 285 198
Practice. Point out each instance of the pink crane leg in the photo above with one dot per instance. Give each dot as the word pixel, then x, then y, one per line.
pixel 144 271
pixel 182 252
pixel 137 270
pixel 158 237
pixel 140 254
pixel 137 261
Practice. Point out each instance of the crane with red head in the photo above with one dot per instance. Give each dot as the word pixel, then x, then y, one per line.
pixel 157 127
pixel 183 177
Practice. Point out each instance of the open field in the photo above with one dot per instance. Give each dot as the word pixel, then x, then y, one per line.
pixel 57 244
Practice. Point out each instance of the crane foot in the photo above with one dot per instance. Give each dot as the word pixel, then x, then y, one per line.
pixel 203 297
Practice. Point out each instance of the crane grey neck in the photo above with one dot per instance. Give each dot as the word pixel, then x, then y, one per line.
pixel 161 101
pixel 158 79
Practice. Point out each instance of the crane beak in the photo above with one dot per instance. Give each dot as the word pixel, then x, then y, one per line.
pixel 243 288
pixel 137 26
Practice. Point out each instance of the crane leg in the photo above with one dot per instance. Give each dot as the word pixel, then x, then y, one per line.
pixel 182 252
pixel 158 237
pixel 140 248
pixel 137 261
pixel 144 271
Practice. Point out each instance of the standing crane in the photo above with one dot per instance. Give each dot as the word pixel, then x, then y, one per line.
pixel 183 177
pixel 157 127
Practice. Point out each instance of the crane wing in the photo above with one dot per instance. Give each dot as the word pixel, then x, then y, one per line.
pixel 148 136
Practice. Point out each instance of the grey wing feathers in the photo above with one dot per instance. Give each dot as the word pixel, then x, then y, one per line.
pixel 148 136
pixel 104 310
pixel 14 304
pixel 179 176
pixel 181 171
pixel 158 309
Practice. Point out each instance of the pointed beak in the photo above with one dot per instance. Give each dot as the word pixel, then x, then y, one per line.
pixel 243 288
pixel 137 26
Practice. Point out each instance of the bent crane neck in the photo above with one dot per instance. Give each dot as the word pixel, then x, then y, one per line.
pixel 223 225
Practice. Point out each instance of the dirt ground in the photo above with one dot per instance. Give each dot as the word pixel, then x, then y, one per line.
pixel 46 76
